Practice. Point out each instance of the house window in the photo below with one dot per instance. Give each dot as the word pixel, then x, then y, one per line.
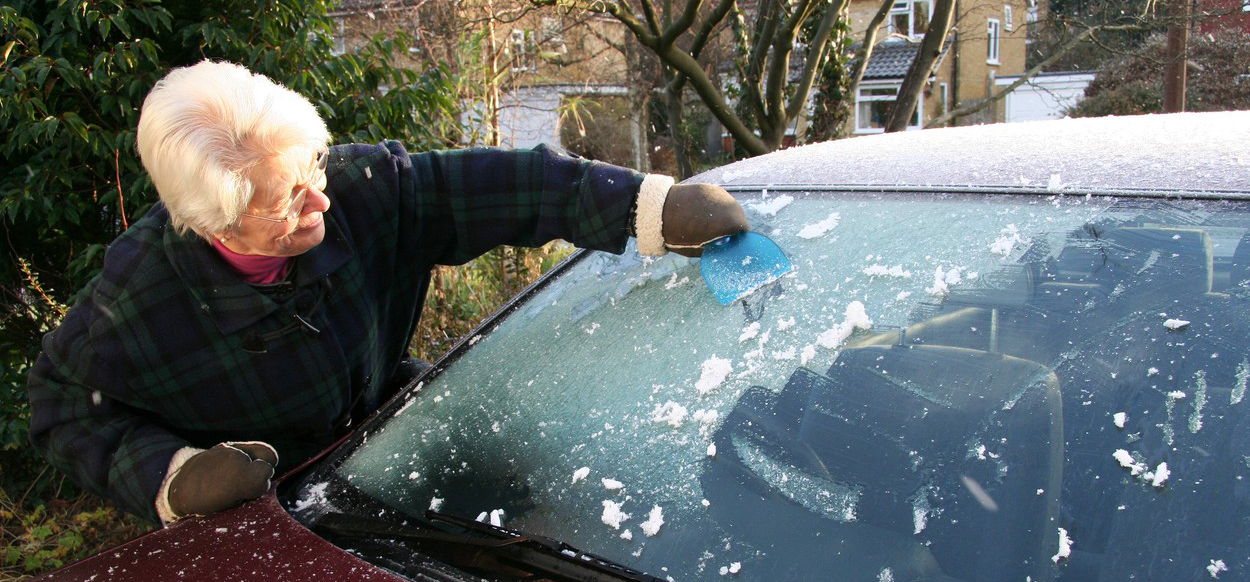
pixel 993 36
pixel 873 104
pixel 909 18
pixel 340 37
pixel 522 48
pixel 1032 16
pixel 1009 21
pixel 1245 5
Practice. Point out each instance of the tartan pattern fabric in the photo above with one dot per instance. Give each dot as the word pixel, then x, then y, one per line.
pixel 169 348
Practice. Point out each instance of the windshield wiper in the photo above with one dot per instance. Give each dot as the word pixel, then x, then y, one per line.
pixel 487 548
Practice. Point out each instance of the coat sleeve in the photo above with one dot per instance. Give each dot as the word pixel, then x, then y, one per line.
pixel 454 205
pixel 102 444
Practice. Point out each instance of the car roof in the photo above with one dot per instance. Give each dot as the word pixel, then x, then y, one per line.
pixel 1192 154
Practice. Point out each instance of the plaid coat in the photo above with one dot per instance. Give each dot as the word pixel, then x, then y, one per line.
pixel 169 348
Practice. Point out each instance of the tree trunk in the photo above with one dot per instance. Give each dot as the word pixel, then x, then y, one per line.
pixel 922 67
pixel 673 107
pixel 1175 76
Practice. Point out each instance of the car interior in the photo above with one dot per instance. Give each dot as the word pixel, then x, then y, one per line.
pixel 1036 362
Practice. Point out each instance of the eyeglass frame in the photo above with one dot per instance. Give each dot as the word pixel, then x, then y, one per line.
pixel 297 202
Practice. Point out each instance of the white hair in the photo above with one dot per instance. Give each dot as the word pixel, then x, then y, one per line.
pixel 204 128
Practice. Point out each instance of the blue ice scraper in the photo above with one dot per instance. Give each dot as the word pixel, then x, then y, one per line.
pixel 735 266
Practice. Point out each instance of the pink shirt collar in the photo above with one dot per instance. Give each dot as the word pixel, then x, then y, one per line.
pixel 255 269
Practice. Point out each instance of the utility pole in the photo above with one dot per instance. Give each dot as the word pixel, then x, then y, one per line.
pixel 1175 76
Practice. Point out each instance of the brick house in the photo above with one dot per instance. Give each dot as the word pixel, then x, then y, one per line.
pixel 1224 14
pixel 988 40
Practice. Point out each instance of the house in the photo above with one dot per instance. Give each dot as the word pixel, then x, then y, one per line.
pixel 534 76
pixel 1045 96
pixel 1223 14
pixel 988 40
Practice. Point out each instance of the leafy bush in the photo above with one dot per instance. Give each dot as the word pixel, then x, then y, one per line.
pixel 73 74
pixel 1218 66
pixel 50 536
pixel 461 297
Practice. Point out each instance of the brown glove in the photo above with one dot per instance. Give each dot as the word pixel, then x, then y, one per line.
pixel 222 477
pixel 696 214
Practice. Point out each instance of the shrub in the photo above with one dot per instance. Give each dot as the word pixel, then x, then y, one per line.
pixel 1218 66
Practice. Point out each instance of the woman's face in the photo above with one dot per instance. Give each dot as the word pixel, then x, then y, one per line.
pixel 284 218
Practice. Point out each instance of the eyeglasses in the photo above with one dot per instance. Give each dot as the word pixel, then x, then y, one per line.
pixel 297 202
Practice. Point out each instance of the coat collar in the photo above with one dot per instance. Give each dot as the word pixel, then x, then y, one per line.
pixel 230 302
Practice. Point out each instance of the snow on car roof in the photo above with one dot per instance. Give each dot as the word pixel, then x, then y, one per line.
pixel 1192 154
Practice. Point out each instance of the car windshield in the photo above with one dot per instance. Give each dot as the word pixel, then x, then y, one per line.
pixel 947 387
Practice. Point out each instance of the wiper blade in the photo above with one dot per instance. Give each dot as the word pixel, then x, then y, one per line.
pixel 485 547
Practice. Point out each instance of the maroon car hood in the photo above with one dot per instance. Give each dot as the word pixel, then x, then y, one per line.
pixel 256 541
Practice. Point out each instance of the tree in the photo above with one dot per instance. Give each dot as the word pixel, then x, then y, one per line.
pixel 766 42
pixel 918 75
pixel 1094 34
pixel 75 73
pixel 1133 84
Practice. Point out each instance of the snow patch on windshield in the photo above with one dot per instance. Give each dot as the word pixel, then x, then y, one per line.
pixel 1216 567
pixel 749 332
pixel 1159 475
pixel 819 229
pixel 612 515
pixel 856 318
pixel 655 519
pixel 1200 401
pixel 673 283
pixel 920 510
pixel 1065 546
pixel 896 271
pixel 670 413
pixel 771 207
pixel 313 495
pixel 943 279
pixel 580 474
pixel 714 372
pixel 1127 461
pixel 1006 241
pixel 1243 376
pixel 1175 323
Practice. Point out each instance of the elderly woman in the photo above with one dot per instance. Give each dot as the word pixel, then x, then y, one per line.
pixel 265 305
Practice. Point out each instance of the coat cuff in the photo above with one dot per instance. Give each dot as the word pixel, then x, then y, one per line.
pixel 649 215
pixel 162 496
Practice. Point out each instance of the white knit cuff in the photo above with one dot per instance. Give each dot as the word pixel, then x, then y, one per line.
pixel 649 214
pixel 163 510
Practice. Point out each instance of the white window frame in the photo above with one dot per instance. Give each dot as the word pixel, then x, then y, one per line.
pixel 340 36
pixel 993 38
pixel 1245 5
pixel 908 8
pixel 861 126
pixel 1009 21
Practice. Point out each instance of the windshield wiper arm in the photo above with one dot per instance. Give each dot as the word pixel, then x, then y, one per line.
pixel 486 547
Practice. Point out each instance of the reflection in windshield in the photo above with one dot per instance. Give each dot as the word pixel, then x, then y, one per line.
pixel 944 389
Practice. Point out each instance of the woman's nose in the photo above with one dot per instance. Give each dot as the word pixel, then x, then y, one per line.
pixel 315 201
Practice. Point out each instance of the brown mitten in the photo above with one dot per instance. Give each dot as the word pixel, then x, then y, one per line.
pixel 221 477
pixel 696 214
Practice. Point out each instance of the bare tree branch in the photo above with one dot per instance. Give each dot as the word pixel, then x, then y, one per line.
pixel 870 41
pixel 815 58
pixel 922 67
pixel 1024 78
